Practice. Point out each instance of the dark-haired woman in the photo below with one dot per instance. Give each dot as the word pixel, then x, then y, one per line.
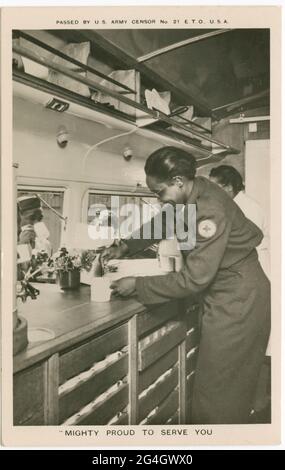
pixel 29 212
pixel 230 180
pixel 222 267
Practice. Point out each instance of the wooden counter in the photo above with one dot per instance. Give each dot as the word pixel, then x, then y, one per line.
pixel 71 316
pixel 118 362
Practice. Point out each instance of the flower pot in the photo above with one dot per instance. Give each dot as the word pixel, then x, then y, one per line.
pixel 69 280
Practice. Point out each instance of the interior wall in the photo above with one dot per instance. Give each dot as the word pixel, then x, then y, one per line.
pixel 257 172
pixel 237 135
pixel 39 157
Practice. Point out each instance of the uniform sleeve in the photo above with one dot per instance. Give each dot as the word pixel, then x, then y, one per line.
pixel 200 268
pixel 149 234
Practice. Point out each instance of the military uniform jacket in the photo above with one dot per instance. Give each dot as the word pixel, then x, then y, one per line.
pixel 224 237
pixel 223 267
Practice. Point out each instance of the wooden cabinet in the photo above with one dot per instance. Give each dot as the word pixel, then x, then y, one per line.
pixel 140 371
pixel 28 396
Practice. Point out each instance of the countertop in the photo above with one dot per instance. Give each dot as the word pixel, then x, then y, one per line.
pixel 71 316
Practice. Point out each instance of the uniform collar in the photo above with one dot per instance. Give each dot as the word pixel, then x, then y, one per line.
pixel 198 184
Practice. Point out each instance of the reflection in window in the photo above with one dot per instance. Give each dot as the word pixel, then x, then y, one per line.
pixel 110 210
pixel 50 227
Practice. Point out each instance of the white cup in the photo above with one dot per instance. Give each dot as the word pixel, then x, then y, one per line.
pixel 166 263
pixel 100 289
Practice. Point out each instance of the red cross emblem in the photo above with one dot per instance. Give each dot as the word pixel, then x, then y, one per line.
pixel 207 228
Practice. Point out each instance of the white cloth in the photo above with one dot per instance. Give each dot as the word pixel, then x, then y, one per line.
pixel 42 242
pixel 27 227
pixel 254 212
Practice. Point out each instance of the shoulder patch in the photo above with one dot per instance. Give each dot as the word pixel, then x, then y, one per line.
pixel 207 228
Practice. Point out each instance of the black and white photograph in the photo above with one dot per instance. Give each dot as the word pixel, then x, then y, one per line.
pixel 142 226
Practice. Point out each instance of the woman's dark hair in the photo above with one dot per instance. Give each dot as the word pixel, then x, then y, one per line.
pixel 167 162
pixel 228 175
pixel 31 216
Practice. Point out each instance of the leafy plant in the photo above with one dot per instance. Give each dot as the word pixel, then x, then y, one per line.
pixel 67 261
pixel 87 258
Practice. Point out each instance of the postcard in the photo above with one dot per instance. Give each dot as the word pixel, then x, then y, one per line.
pixel 141 226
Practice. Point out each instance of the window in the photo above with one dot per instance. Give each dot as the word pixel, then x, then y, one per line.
pixel 100 209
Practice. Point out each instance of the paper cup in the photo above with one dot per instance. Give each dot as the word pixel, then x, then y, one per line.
pixel 100 290
pixel 166 263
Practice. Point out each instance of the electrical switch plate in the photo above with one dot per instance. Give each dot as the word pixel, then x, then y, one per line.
pixel 252 127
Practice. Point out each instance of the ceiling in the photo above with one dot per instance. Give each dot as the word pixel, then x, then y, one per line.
pixel 223 68
pixel 214 71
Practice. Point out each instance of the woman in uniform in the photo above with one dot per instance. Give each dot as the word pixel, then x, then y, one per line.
pixel 30 212
pixel 223 268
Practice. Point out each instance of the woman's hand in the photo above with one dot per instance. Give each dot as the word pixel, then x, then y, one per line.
pixel 124 287
pixel 117 250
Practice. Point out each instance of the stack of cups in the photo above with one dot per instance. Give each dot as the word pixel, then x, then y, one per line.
pixel 100 289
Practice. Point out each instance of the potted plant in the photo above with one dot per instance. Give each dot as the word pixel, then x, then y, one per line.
pixel 92 265
pixel 88 259
pixel 67 266
pixel 27 272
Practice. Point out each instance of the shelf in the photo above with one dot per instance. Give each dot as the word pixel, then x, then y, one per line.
pixel 194 138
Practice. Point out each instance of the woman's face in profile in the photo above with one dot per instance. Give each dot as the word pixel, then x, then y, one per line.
pixel 37 215
pixel 166 191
